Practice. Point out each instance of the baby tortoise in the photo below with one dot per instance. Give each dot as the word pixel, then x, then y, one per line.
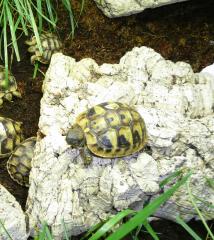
pixel 19 163
pixel 11 90
pixel 50 44
pixel 108 130
pixel 10 136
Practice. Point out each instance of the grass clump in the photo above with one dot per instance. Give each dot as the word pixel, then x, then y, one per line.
pixel 19 17
pixel 135 221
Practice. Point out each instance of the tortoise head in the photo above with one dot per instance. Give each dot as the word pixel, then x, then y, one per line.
pixel 75 136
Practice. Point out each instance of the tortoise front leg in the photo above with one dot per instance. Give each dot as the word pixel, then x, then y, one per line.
pixel 86 155
pixel 9 97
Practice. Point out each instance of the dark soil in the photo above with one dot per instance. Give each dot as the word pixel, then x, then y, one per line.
pixel 179 32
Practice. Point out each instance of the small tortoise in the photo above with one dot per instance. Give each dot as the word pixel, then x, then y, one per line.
pixel 10 136
pixel 108 130
pixel 11 90
pixel 19 163
pixel 50 45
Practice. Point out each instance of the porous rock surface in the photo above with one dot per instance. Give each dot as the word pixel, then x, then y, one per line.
pixel 112 8
pixel 177 106
pixel 12 217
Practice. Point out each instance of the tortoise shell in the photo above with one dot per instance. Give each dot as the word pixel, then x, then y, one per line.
pixel 19 163
pixel 10 136
pixel 113 129
pixel 50 45
pixel 11 90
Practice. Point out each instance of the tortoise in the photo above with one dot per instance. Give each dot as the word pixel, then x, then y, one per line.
pixel 108 130
pixel 9 91
pixel 10 136
pixel 50 44
pixel 19 163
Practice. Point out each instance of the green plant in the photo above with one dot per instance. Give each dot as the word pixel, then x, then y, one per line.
pixel 193 201
pixel 44 234
pixel 139 218
pixel 19 17
pixel 3 229
pixel 136 220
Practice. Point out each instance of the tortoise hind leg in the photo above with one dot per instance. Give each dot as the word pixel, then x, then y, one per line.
pixel 86 155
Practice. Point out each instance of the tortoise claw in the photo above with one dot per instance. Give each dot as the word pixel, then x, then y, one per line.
pixel 86 156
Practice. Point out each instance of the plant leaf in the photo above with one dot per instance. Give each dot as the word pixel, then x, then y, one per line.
pixel 110 223
pixel 187 228
pixel 142 215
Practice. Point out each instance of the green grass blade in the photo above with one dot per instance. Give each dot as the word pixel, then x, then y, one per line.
pixel 82 6
pixel 21 14
pixel 169 178
pixel 42 233
pixel 24 9
pixel 5 51
pixel 73 22
pixel 45 233
pixel 150 230
pixel 65 230
pixel 142 215
pixel 48 234
pixel 110 223
pixel 204 201
pixel 50 12
pixel 134 236
pixel 18 20
pixel 92 229
pixel 198 211
pixel 39 7
pixel 1 13
pixel 1 40
pixel 36 67
pixel 5 230
pixel 43 15
pixel 187 228
pixel 12 31
pixel 34 26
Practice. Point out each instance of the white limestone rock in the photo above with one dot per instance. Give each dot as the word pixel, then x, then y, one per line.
pixel 12 217
pixel 177 106
pixel 112 8
pixel 209 70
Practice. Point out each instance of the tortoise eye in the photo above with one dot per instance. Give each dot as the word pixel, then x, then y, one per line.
pixel 91 112
pixel 122 116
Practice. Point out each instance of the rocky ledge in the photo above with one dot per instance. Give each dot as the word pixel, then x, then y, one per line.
pixel 177 106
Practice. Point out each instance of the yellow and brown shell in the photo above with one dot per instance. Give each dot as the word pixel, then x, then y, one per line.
pixel 7 92
pixel 19 163
pixel 10 136
pixel 113 129
pixel 50 45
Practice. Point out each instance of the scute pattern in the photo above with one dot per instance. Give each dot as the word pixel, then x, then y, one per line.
pixel 50 45
pixel 10 136
pixel 19 163
pixel 113 129
pixel 9 91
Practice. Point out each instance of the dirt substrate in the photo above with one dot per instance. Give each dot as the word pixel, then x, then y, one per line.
pixel 180 32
